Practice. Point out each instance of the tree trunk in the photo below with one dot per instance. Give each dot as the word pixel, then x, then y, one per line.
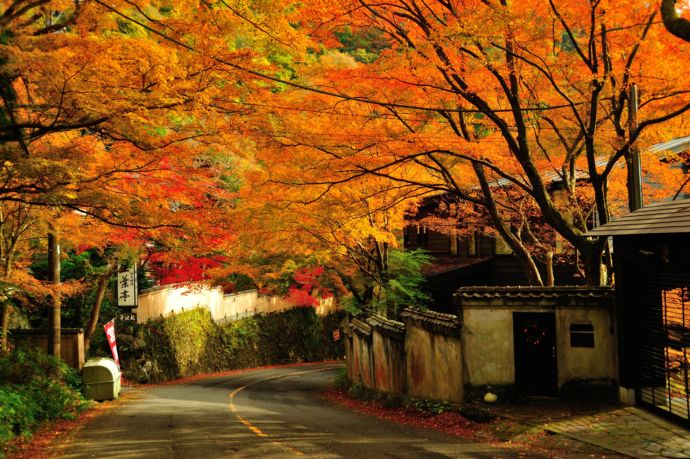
pixel 54 337
pixel 95 312
pixel 591 259
pixel 519 250
pixel 549 269
pixel 5 327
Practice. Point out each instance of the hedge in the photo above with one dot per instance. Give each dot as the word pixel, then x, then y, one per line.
pixel 190 343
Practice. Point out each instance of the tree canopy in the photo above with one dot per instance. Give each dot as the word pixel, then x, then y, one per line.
pixel 238 135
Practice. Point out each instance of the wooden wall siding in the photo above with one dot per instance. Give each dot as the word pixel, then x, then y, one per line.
pixel 486 246
pixel 437 243
pixel 507 270
pixel 463 247
pixel 71 344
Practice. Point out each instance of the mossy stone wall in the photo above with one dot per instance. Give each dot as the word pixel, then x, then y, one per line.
pixel 190 342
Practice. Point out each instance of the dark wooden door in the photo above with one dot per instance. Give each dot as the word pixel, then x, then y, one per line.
pixel 534 334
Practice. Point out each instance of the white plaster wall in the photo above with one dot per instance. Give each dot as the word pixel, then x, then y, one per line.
pixel 174 299
pixel 598 362
pixel 487 345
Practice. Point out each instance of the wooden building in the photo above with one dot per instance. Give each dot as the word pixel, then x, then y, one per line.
pixel 652 274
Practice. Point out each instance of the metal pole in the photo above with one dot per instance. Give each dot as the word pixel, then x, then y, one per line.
pixel 634 165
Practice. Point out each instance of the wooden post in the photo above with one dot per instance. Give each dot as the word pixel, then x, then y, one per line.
pixel 54 336
pixel 4 322
pixel 634 165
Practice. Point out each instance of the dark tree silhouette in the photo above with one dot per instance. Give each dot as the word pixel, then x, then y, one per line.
pixel 675 24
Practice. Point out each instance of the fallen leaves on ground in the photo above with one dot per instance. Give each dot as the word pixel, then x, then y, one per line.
pixel 43 443
pixel 525 441
pixel 448 422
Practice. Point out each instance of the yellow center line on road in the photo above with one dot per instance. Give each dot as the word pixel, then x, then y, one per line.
pixel 254 429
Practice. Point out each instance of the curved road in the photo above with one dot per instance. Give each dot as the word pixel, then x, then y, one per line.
pixel 257 414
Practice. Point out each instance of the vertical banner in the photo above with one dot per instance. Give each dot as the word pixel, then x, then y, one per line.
pixel 110 334
pixel 127 288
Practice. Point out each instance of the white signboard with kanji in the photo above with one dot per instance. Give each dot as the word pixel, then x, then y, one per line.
pixel 127 288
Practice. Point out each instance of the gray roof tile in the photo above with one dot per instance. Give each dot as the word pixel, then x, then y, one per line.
pixel 668 217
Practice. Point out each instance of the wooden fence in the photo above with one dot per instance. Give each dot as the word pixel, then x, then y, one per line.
pixel 163 301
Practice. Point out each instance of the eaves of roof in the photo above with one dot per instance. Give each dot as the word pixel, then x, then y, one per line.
pixel 445 266
pixel 529 292
pixel 667 217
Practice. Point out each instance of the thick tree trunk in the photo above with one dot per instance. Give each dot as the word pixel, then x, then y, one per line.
pixel 592 261
pixel 528 265
pixel 95 312
pixel 54 333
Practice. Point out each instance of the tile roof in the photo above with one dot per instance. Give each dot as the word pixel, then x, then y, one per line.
pixel 525 292
pixel 447 324
pixel 361 326
pixel 389 327
pixel 668 217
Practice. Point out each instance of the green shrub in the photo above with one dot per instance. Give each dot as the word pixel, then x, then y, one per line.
pixel 34 388
pixel 427 406
pixel 357 390
pixel 190 342
pixel 340 381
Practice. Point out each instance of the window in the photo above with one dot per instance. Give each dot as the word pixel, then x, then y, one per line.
pixel 581 334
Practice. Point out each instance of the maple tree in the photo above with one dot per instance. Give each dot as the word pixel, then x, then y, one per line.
pixel 351 230
pixel 471 94
pixel 147 117
pixel 101 123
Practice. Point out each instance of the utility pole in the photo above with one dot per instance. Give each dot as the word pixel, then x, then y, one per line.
pixel 55 332
pixel 633 158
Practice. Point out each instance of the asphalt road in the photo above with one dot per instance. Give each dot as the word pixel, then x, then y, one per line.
pixel 257 414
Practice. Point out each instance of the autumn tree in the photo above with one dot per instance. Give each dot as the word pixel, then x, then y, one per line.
pixel 103 123
pixel 352 230
pixel 471 94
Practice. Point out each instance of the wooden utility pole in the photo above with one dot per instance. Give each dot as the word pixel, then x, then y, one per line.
pixel 633 159
pixel 54 336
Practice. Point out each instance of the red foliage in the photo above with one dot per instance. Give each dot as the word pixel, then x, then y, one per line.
pixel 449 422
pixel 308 288
pixel 189 269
